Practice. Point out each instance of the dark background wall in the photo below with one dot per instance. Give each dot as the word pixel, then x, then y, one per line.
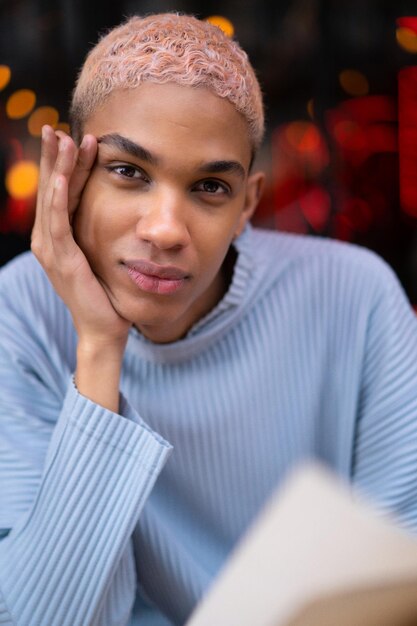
pixel 330 75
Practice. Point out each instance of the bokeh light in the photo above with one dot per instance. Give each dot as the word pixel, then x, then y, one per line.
pixel 370 109
pixel 64 126
pixel 407 22
pixel 22 179
pixel 407 137
pixel 349 135
pixel 20 103
pixel 299 148
pixel 223 23
pixel 303 136
pixel 357 214
pixel 407 39
pixel 39 117
pixel 5 76
pixel 354 82
pixel 310 108
pixel 315 206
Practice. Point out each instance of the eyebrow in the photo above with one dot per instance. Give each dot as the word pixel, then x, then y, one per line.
pixel 219 167
pixel 131 147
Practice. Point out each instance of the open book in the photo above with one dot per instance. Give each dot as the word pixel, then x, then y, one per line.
pixel 315 557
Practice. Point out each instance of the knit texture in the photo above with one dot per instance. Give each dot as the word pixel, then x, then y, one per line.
pixel 312 353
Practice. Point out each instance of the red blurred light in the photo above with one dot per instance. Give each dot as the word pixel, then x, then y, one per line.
pixel 290 220
pixel 298 148
pixel 350 135
pixel 17 217
pixel 357 214
pixel 363 127
pixel 342 228
pixel 381 138
pixel 370 109
pixel 407 22
pixel 303 136
pixel 407 137
pixel 315 206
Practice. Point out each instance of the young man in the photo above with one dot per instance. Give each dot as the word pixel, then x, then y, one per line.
pixel 154 317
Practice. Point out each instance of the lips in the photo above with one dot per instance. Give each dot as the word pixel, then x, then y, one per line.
pixel 153 278
pixel 166 272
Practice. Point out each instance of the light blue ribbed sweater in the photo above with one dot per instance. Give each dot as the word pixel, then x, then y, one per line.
pixel 311 353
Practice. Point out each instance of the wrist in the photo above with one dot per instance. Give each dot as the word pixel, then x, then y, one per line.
pixel 98 347
pixel 99 354
pixel 97 376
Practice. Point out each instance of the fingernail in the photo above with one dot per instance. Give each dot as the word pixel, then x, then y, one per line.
pixel 44 132
pixel 58 183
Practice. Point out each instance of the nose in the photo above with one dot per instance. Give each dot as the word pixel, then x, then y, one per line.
pixel 162 222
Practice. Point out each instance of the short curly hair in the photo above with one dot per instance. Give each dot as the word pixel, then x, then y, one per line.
pixel 168 47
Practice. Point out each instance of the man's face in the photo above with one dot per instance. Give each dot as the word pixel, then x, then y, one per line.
pixel 167 195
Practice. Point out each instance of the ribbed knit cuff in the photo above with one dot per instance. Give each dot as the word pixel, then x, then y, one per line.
pixel 57 564
pixel 125 430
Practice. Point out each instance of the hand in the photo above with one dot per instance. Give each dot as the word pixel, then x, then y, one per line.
pixel 64 171
pixel 102 332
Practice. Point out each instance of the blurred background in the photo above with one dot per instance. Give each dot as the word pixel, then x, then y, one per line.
pixel 340 85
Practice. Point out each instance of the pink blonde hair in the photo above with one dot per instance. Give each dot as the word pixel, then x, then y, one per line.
pixel 168 47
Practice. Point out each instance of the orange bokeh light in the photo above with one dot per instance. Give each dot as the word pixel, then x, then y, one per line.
pixel 64 126
pixel 22 180
pixel 310 108
pixel 223 23
pixel 41 116
pixel 20 103
pixel 5 76
pixel 354 83
pixel 407 39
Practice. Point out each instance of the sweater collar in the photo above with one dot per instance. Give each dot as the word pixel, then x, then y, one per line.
pixel 235 294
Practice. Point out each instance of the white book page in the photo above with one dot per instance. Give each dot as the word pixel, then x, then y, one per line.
pixel 311 540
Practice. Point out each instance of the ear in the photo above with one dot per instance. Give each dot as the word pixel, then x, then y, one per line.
pixel 254 189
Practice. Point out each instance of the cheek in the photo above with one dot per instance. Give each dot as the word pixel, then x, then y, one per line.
pixel 213 250
pixel 218 232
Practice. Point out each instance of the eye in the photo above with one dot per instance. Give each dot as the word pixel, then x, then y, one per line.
pixel 212 187
pixel 127 171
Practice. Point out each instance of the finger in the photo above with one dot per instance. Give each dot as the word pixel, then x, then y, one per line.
pixel 64 164
pixel 62 241
pixel 66 157
pixel 63 167
pixel 61 154
pixel 85 160
pixel 60 134
pixel 49 151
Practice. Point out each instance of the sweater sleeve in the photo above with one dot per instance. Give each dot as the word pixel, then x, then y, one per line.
pixel 385 457
pixel 73 480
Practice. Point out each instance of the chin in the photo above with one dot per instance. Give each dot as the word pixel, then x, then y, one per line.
pixel 149 314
